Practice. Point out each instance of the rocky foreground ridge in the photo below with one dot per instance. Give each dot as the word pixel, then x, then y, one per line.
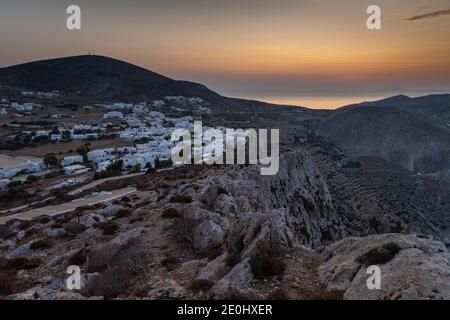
pixel 218 233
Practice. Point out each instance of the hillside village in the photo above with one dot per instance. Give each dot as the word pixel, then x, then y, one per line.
pixel 145 127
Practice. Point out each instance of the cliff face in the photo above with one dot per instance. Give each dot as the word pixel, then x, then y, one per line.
pixel 254 219
pixel 296 200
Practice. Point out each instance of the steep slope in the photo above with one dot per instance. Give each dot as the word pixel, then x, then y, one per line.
pixel 99 77
pixel 402 137
pixel 426 105
pixel 435 107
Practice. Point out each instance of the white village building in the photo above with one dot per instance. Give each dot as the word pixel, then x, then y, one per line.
pixel 22 107
pixel 100 155
pixel 113 115
pixel 56 137
pixel 71 160
pixel 75 169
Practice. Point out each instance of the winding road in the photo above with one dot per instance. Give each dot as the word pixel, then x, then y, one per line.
pixel 68 206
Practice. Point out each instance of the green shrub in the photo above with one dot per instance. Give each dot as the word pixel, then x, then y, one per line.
pixel 379 255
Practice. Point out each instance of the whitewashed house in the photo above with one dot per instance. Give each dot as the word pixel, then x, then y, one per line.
pixel 120 106
pixel 75 169
pixel 22 107
pixel 100 155
pixel 84 136
pixel 157 114
pixel 126 150
pixel 103 165
pixel 82 126
pixel 113 115
pixel 133 122
pixel 141 159
pixel 71 160
pixel 129 160
pixel 56 137
pixel 41 133
pixel 158 103
pixel 34 166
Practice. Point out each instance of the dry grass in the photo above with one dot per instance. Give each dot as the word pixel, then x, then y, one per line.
pixel 201 285
pixel 109 228
pixel 279 294
pixel 78 258
pixel 236 296
pixel 21 263
pixel 170 262
pixel 170 213
pixel 10 283
pixel 181 199
pixel 122 213
pixel 324 294
pixel 267 265
pixel 41 244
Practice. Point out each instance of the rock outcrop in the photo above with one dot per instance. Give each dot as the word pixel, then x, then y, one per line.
pixel 296 201
pixel 220 233
pixel 255 217
pixel 411 267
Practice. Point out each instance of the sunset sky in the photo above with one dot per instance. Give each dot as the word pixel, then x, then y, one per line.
pixel 248 48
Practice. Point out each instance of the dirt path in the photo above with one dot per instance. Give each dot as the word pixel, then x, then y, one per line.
pixel 69 206
pixel 95 183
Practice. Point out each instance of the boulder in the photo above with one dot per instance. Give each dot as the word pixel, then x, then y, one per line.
pixel 101 257
pixel 214 270
pixel 208 235
pixel 109 211
pixel 411 267
pixel 237 279
pixel 54 232
pixel 88 220
pixel 21 251
pixel 168 289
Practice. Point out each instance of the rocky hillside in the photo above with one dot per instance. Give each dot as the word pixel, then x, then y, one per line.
pixel 435 108
pixel 398 136
pixel 99 77
pixel 201 232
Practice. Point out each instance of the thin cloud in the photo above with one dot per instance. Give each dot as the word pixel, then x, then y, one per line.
pixel 441 13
